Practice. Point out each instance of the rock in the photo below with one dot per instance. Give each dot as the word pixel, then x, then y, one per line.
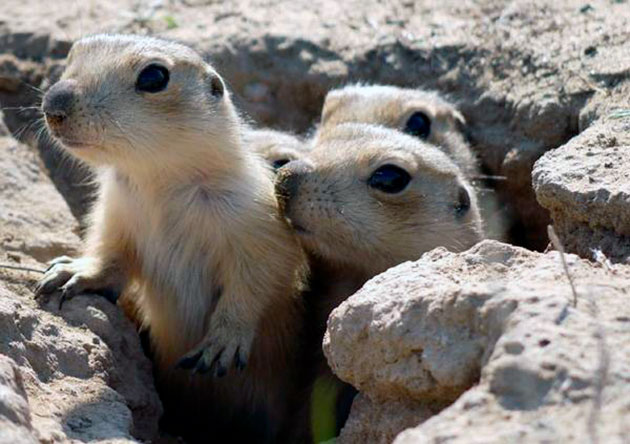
pixel 520 100
pixel 585 185
pixel 34 218
pixel 495 329
pixel 380 422
pixel 79 373
pixel 15 416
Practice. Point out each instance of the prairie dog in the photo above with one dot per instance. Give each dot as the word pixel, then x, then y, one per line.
pixel 277 148
pixel 369 198
pixel 186 218
pixel 424 115
pixel 421 114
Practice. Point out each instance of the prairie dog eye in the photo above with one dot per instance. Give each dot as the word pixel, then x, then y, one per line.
pixel 389 179
pixel 418 125
pixel 463 201
pixel 152 79
pixel 279 163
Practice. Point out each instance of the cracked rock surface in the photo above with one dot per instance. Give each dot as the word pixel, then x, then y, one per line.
pixel 494 329
pixel 73 375
pixel 585 185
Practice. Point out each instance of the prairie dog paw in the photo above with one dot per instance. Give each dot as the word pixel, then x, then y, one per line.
pixel 71 277
pixel 226 344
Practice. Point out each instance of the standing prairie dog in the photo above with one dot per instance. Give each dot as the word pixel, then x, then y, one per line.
pixel 421 114
pixel 277 148
pixel 369 198
pixel 187 217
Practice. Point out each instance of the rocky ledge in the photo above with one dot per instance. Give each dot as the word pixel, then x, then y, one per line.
pixel 489 345
pixel 72 374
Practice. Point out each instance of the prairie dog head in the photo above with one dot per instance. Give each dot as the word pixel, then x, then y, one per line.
pixel 132 101
pixel 421 114
pixel 275 147
pixel 370 197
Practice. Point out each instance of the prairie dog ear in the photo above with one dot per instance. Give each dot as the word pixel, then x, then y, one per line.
pixel 332 102
pixel 453 114
pixel 460 120
pixel 450 115
pixel 216 87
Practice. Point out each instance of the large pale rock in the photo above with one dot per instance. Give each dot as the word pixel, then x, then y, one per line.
pixel 75 374
pixel 522 72
pixel 495 328
pixel 585 185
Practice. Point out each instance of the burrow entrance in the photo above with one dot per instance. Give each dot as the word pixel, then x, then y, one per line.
pixel 507 137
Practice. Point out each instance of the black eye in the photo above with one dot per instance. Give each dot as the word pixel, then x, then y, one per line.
pixel 389 179
pixel 418 125
pixel 279 163
pixel 152 79
pixel 463 202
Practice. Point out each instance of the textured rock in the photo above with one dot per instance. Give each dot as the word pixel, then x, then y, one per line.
pixel 78 373
pixel 502 318
pixel 585 185
pixel 520 99
pixel 15 416
pixel 380 422
pixel 34 217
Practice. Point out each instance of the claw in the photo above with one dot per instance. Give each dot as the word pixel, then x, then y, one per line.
pixel 239 364
pixel 43 289
pixel 219 370
pixel 64 297
pixel 202 367
pixel 188 362
pixel 37 291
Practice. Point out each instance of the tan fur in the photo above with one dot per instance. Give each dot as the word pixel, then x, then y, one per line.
pixel 342 219
pixel 392 106
pixel 275 147
pixel 353 232
pixel 187 217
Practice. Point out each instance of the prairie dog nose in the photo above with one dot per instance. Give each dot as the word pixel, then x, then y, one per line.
pixel 288 181
pixel 58 102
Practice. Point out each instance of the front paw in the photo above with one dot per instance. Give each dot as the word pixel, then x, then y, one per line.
pixel 71 277
pixel 226 345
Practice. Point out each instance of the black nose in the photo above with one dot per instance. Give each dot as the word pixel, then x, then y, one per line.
pixel 288 181
pixel 58 101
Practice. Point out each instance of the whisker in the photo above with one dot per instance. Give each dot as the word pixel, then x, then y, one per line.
pixel 23 129
pixel 21 268
pixel 42 130
pixel 19 108
pixel 33 87
pixel 487 177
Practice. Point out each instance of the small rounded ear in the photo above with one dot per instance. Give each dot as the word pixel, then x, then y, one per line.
pixel 451 113
pixel 215 84
pixel 332 101
pixel 459 118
